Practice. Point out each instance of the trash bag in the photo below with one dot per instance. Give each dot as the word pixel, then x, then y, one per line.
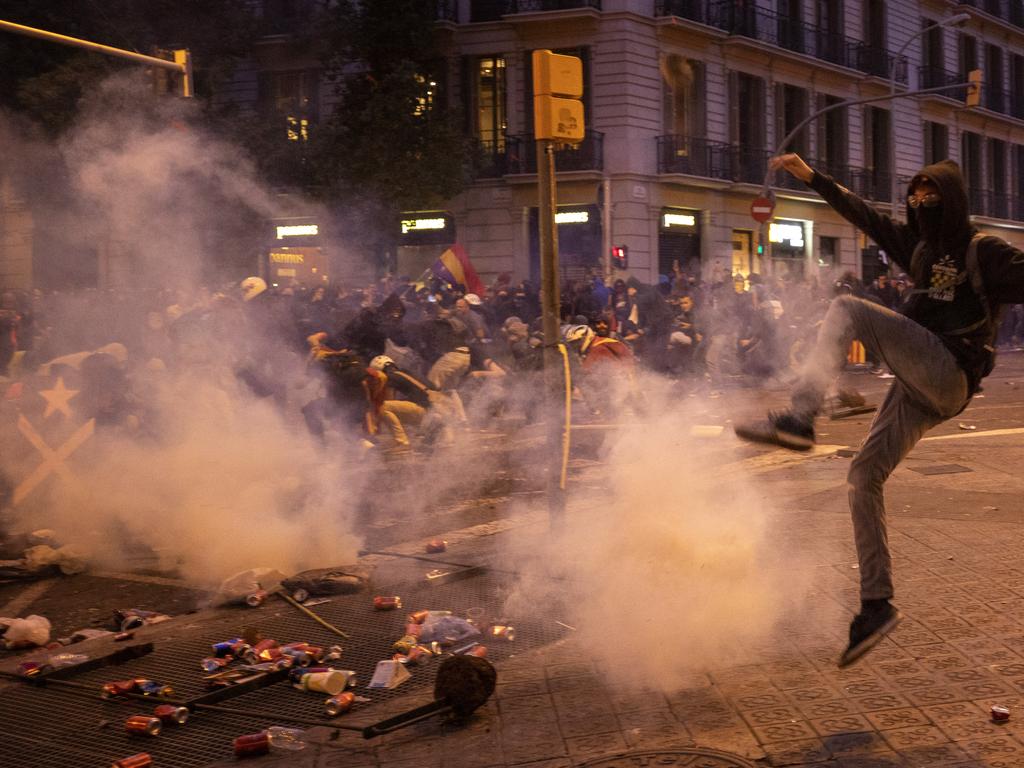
pixel 447 630
pixel 27 632
pixel 341 580
pixel 235 589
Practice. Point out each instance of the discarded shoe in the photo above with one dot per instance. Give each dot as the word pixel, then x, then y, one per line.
pixel 868 628
pixel 780 428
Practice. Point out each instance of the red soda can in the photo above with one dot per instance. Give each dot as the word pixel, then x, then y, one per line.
pixel 382 603
pixel 169 713
pixel 419 617
pixel 478 650
pixel 271 654
pixel 32 668
pixel 117 688
pixel 252 745
pixel 141 760
pixel 1000 714
pixel 263 645
pixel 503 632
pixel 143 725
pixel 436 545
pixel 340 704
pixel 256 598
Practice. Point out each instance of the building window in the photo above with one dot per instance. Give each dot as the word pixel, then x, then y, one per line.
pixel 832 144
pixel 932 55
pixel 791 111
pixel 936 142
pixel 828 252
pixel 491 119
pixel 1018 183
pixel 876 147
pixel 293 95
pixel 998 202
pixel 875 23
pixel 967 54
pixel 993 90
pixel 748 110
pixel 970 163
pixel 682 83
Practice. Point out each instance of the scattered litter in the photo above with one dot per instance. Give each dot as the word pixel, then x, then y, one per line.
pixel 434 546
pixel 301 596
pixel 967 427
pixel 25 633
pixel 1000 714
pixel 84 634
pixel 235 589
pixel 127 619
pixel 141 760
pixel 171 714
pixel 312 602
pixel 331 682
pixel 846 453
pixel 252 745
pixel 437 573
pixel 383 603
pixel 59 660
pixel 256 599
pixel 389 674
pixel 502 632
pixel 143 725
pixel 32 668
pixel 341 580
pixel 340 704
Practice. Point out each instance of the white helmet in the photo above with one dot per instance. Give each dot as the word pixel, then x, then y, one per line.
pixel 584 334
pixel 380 361
pixel 252 287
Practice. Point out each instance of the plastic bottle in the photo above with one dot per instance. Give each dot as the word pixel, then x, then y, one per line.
pixel 286 739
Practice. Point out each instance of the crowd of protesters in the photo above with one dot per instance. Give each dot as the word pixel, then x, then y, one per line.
pixel 401 358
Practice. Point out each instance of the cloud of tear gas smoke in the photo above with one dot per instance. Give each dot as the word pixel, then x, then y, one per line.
pixel 676 566
pixel 207 475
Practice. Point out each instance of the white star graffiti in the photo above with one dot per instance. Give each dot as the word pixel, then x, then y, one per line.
pixel 57 399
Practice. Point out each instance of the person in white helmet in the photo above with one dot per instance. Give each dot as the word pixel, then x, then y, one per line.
pixel 422 404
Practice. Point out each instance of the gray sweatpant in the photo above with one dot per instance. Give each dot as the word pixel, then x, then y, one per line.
pixel 929 388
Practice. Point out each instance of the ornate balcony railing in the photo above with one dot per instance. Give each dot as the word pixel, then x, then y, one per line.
pixel 521 154
pixel 490 159
pixel 493 10
pixel 936 77
pixel 713 159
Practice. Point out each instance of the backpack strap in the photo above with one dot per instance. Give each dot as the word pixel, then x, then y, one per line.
pixel 992 314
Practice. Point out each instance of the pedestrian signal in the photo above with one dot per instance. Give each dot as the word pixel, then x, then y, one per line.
pixel 973 88
pixel 620 256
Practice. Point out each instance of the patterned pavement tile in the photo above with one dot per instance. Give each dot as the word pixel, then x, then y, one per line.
pixel 597 744
pixel 812 693
pixel 520 688
pixel 790 731
pixel 914 736
pixel 986 689
pixel 879 759
pixel 881 701
pixel 996 751
pixel 888 719
pixel 799 752
pixel 861 742
pixel 572 669
pixel 978 726
pixel 934 755
pixel 833 708
pixel 865 687
pixel 936 694
pixel 587 724
pixel 636 701
pixel 581 700
pixel 833 726
pixel 770 715
pixel 945 663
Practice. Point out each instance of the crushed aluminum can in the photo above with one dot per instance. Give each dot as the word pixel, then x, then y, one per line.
pixel 384 603
pixel 415 655
pixel 1000 714
pixel 233 647
pixel 32 668
pixel 434 546
pixel 170 713
pixel 478 650
pixel 141 760
pixel 405 643
pixel 256 599
pixel 502 632
pixel 133 618
pixel 300 595
pixel 332 654
pixel 143 725
pixel 117 688
pixel 252 744
pixel 212 663
pixel 340 704
pixel 153 688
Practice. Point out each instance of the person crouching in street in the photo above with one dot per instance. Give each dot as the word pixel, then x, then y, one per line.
pixel 939 348
pixel 423 406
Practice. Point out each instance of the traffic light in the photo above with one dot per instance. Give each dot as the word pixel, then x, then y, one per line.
pixel 166 80
pixel 760 249
pixel 620 256
pixel 557 88
pixel 973 88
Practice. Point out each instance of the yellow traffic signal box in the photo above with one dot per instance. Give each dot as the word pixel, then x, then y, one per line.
pixel 974 78
pixel 557 88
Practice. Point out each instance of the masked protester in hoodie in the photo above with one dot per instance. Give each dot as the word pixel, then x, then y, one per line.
pixel 939 346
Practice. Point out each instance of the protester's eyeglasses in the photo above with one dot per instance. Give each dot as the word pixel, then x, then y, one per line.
pixel 930 200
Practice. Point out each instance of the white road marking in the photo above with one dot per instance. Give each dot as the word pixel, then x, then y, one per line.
pixel 27 596
pixel 984 433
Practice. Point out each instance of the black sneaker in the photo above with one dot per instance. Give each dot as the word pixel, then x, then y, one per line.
pixel 780 428
pixel 868 628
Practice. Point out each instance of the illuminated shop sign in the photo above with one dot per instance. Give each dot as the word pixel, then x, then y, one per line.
pixel 297 230
pixel 280 257
pixel 676 219
pixel 419 225
pixel 789 233
pixel 426 228
pixel 572 217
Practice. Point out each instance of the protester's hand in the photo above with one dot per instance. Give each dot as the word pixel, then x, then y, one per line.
pixel 794 164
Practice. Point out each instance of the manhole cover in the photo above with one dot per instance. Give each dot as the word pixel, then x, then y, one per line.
pixel 693 757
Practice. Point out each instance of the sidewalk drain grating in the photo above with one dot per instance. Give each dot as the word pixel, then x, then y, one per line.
pixel 689 757
pixel 50 725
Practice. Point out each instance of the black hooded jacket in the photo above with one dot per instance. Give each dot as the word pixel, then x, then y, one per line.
pixel 943 300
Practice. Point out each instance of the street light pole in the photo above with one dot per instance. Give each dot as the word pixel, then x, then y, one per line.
pixel 959 18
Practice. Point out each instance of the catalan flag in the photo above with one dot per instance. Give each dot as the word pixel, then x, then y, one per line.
pixel 453 266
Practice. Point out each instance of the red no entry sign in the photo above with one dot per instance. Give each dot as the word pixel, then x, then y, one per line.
pixel 762 209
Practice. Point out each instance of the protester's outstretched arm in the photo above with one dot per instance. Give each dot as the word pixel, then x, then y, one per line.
pixel 892 237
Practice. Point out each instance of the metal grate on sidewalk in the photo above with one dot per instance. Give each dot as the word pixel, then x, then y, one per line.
pixel 53 725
